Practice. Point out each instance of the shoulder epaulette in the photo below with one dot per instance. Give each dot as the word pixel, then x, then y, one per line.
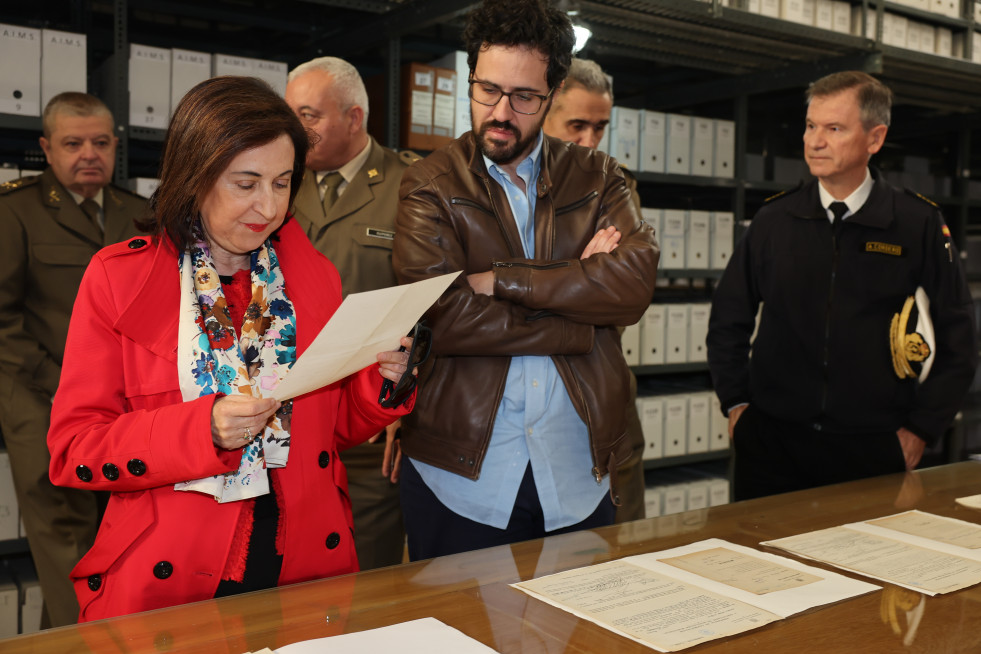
pixel 20 183
pixel 924 198
pixel 779 195
pixel 409 157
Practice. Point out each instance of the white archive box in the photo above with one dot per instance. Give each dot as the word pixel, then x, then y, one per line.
pixel 697 254
pixel 674 499
pixel 676 334
pixel 672 240
pixel 20 85
pixel 653 132
pixel 698 321
pixel 272 72
pixel 9 605
pixel 894 29
pixel 770 8
pixel 699 406
pixel 650 410
pixel 63 68
pixel 188 68
pixel 143 186
pixel 652 502
pixel 841 16
pixel 702 146
pixel 793 10
pixel 149 86
pixel 724 156
pixel 949 8
pixel 9 515
pixel 925 36
pixel 870 22
pixel 824 14
pixel 718 426
pixel 654 218
pixel 677 148
pixel 625 137
pixel 698 495
pixel 630 344
pixel 721 235
pixel 675 425
pixel 943 42
pixel 225 64
pixel 913 36
pixel 652 335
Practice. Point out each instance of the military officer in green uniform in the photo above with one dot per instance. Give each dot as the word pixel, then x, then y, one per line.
pixel 346 205
pixel 50 226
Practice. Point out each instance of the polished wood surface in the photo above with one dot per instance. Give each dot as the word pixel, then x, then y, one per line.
pixel 471 591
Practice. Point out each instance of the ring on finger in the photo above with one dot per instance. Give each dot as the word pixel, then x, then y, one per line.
pixel 248 435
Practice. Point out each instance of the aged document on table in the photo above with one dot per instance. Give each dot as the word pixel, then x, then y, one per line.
pixel 971 501
pixel 900 554
pixel 364 325
pixel 677 598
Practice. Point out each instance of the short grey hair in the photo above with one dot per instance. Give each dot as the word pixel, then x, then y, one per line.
pixel 588 75
pixel 73 103
pixel 874 97
pixel 348 84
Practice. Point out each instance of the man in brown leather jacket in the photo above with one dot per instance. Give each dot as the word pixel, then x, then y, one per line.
pixel 520 418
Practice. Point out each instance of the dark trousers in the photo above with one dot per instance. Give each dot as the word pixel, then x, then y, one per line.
pixel 774 456
pixel 434 530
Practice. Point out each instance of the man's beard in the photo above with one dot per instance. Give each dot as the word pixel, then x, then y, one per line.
pixel 501 153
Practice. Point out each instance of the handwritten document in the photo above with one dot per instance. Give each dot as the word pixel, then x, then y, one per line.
pixel 749 573
pixel 934 527
pixel 364 325
pixel 651 599
pixel 971 501
pixel 896 561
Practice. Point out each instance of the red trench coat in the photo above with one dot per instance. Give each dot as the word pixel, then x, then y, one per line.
pixel 119 424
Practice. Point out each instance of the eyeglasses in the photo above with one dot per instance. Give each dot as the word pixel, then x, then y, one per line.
pixel 395 394
pixel 521 102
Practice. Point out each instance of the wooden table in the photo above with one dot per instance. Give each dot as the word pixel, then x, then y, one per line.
pixel 471 591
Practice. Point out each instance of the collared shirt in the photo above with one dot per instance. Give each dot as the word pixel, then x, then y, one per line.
pixel 97 198
pixel 855 201
pixel 347 171
pixel 536 422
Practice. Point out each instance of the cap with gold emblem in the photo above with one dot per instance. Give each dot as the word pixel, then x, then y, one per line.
pixel 911 338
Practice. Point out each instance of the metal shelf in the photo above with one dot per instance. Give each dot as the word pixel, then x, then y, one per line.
pixel 686 459
pixel 670 368
pixel 14 546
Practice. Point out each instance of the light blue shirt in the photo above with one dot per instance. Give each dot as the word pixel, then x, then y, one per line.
pixel 535 423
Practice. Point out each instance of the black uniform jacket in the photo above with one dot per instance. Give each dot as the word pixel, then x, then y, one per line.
pixel 821 355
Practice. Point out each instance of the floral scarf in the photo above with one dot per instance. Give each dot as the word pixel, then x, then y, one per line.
pixel 212 359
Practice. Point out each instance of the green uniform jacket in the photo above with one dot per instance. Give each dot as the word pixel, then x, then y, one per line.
pixel 357 233
pixel 46 241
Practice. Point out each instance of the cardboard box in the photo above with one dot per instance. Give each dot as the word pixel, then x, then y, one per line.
pixel 652 335
pixel 724 156
pixel 625 136
pixel 63 64
pixel 418 90
pixel 457 62
pixel 650 410
pixel 444 107
pixel 149 86
pixel 630 344
pixel 702 146
pixel 678 144
pixel 698 330
pixel 188 68
pixel 20 85
pixel 672 239
pixel 698 423
pixel 676 334
pixel 718 426
pixel 721 237
pixel 697 255
pixel 653 132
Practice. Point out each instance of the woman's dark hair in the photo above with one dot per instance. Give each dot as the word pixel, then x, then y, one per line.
pixel 216 121
pixel 530 23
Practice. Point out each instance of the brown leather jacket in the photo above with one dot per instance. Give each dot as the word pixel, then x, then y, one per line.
pixel 453 216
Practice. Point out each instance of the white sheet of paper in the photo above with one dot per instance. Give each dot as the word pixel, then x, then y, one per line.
pixel 971 501
pixel 739 611
pixel 921 564
pixel 423 636
pixel 364 325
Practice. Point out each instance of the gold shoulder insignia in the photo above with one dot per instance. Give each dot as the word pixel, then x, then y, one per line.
pixel 15 184
pixel 373 173
pixel 409 157
pixel 923 197
pixel 783 193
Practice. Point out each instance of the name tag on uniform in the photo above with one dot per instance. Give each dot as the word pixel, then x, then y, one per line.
pixel 381 233
pixel 884 248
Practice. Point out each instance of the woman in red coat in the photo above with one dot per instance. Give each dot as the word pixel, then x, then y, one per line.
pixel 174 349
